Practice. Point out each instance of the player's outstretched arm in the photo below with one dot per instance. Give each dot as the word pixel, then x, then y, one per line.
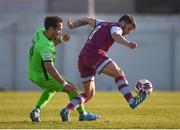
pixel 122 40
pixel 63 38
pixel 56 75
pixel 81 22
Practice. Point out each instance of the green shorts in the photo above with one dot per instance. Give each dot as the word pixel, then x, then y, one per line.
pixel 50 84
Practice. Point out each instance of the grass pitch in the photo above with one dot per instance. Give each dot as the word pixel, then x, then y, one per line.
pixel 160 110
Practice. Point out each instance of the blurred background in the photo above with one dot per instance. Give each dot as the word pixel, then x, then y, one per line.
pixel 158 34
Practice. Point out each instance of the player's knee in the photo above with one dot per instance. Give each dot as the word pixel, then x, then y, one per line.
pixel 89 96
pixel 92 95
pixel 121 72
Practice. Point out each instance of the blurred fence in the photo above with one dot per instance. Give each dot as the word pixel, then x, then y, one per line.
pixel 157 58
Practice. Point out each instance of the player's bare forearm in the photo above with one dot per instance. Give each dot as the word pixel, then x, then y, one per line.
pixel 122 40
pixel 53 72
pixel 81 22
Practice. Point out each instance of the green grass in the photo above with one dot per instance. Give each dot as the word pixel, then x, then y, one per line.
pixel 161 110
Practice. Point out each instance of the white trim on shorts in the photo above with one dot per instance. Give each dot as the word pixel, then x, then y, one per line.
pixel 102 65
pixel 90 78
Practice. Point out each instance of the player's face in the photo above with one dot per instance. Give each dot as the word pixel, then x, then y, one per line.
pixel 127 28
pixel 58 30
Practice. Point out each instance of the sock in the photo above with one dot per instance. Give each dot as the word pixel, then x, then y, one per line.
pixel 81 108
pixel 123 87
pixel 45 98
pixel 76 102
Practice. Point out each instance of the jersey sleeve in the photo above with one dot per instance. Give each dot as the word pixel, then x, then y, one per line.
pixel 98 21
pixel 46 53
pixel 116 30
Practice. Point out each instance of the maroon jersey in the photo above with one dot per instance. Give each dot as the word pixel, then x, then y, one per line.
pixel 100 39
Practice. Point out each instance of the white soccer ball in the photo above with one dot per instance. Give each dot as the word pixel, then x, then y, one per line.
pixel 143 85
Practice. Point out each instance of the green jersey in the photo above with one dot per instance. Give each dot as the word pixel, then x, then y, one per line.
pixel 42 50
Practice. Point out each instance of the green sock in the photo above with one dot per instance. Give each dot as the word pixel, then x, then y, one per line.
pixel 45 97
pixel 81 108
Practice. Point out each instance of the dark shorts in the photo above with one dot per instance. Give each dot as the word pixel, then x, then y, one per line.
pixel 90 65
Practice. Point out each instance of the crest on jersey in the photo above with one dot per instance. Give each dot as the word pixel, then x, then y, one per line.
pixel 47 56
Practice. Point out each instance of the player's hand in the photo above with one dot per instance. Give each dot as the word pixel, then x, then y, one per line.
pixel 70 24
pixel 132 45
pixel 71 88
pixel 65 37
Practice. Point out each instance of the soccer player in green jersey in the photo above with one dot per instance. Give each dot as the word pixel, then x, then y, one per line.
pixel 43 73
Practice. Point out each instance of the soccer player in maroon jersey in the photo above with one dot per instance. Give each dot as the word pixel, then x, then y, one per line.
pixel 93 59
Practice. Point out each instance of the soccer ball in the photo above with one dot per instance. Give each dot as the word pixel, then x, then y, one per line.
pixel 143 85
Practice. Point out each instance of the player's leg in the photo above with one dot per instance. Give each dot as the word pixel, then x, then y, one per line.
pixel 56 86
pixel 71 95
pixel 79 100
pixel 115 72
pixel 89 92
pixel 84 97
pixel 43 100
pixel 88 67
pixel 89 89
pixel 87 76
pixel 50 88
pixel 45 97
